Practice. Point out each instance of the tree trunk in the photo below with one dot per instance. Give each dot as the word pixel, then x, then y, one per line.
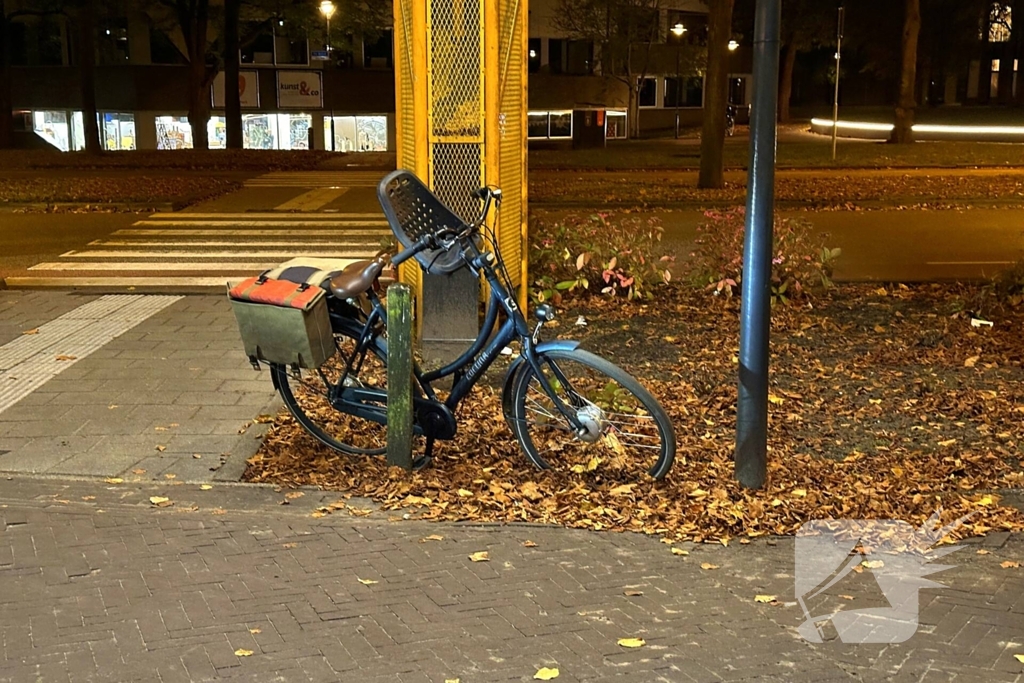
pixel 716 96
pixel 198 78
pixel 1005 88
pixel 1005 82
pixel 232 96
pixel 786 81
pixel 633 106
pixel 985 66
pixel 6 116
pixel 1018 97
pixel 902 130
pixel 87 74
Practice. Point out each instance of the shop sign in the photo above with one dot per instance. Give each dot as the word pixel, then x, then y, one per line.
pixel 248 90
pixel 299 90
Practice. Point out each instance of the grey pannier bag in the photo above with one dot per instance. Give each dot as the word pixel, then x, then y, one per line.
pixel 283 322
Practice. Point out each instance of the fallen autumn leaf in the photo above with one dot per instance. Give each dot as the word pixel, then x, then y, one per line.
pixel 631 642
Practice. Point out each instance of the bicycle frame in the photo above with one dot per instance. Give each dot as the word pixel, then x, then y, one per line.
pixel 485 349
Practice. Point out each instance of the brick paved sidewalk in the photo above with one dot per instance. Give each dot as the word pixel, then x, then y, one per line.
pixel 96 584
pixel 174 385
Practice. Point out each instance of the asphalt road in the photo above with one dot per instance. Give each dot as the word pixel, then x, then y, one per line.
pixel 29 238
pixel 877 245
pixel 905 246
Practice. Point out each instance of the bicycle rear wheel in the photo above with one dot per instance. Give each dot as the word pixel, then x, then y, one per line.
pixel 309 397
pixel 627 430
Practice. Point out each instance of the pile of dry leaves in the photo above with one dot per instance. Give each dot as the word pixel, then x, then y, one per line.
pixel 884 404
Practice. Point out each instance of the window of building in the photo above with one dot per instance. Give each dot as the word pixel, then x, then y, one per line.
pixel 54 127
pixel 560 124
pixel 534 55
pixel 291 51
pixel 380 53
pixel 162 50
pixel 173 132
pixel 117 130
pixel 551 125
pixel 615 128
pixel 1000 27
pixel 261 131
pixel 580 57
pixel 36 41
pixel 556 55
pixel 686 91
pixel 357 133
pixel 648 95
pixel 112 41
pixel 260 50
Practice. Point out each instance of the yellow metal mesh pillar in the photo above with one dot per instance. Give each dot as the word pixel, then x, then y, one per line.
pixel 460 70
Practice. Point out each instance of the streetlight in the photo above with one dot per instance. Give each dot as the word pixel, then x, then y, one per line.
pixel 678 30
pixel 327 8
pixel 835 100
pixel 733 46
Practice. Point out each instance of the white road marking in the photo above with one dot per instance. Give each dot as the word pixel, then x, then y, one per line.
pixel 207 249
pixel 969 263
pixel 317 179
pixel 312 200
pixel 96 324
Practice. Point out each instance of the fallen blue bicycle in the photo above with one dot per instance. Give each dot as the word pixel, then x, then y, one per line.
pixel 568 408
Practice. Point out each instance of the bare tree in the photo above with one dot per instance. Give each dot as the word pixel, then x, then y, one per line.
pixel 232 94
pixel 85 20
pixel 716 95
pixel 902 131
pixel 625 31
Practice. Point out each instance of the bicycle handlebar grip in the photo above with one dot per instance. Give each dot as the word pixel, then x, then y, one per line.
pixel 406 254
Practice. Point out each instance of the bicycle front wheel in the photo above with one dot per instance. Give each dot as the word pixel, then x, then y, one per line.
pixel 309 396
pixel 625 429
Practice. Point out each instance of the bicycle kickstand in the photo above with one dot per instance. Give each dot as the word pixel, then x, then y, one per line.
pixel 428 455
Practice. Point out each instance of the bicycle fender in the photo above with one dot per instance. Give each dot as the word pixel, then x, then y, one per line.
pixel 513 370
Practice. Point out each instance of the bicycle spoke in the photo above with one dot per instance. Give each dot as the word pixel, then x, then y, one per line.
pixel 619 429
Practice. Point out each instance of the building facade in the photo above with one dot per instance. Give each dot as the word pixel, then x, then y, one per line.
pixel 297 94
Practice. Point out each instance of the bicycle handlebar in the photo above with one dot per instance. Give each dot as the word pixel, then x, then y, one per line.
pixel 406 254
pixel 427 241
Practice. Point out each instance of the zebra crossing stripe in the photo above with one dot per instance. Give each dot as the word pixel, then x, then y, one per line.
pixel 312 200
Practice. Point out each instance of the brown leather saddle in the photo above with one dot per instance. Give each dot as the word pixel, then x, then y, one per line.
pixel 358 277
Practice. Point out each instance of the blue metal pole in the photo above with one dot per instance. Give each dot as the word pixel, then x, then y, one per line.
pixel 755 308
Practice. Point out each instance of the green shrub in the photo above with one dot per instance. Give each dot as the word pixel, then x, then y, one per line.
pixel 801 261
pixel 580 255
